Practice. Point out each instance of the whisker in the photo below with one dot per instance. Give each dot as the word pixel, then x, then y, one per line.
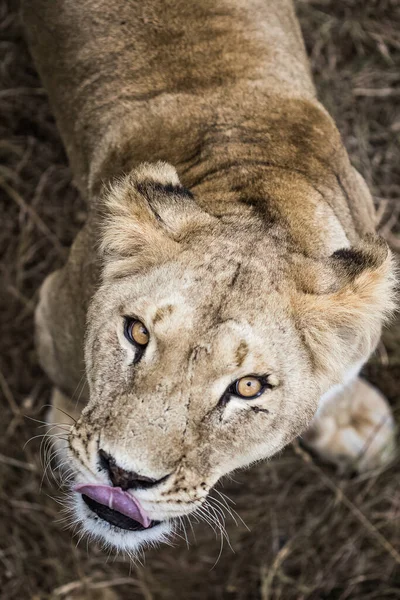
pixel 183 528
pixel 49 460
pixel 232 511
pixel 42 435
pixel 45 423
pixel 81 383
pixel 62 411
pixel 222 531
pixel 191 526
pixel 224 497
pixel 221 526
pixel 223 508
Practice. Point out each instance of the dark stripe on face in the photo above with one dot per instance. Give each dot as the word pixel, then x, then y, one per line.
pixel 163 312
pixel 235 275
pixel 241 353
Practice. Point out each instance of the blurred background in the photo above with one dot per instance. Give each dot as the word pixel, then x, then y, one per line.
pixel 307 533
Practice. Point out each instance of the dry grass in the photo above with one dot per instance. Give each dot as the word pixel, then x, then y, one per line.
pixel 313 535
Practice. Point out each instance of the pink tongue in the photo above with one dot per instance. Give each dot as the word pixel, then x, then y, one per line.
pixel 115 498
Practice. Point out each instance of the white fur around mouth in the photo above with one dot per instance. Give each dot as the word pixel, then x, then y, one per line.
pixel 121 539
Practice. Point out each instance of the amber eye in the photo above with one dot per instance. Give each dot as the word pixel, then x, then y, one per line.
pixel 136 332
pixel 249 387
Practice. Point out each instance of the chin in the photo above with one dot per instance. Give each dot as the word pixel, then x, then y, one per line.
pixel 124 535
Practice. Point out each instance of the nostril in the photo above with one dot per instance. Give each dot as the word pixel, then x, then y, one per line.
pixel 125 479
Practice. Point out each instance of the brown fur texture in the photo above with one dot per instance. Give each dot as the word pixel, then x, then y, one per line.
pixel 253 253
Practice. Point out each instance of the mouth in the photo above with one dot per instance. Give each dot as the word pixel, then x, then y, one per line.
pixel 114 517
pixel 117 507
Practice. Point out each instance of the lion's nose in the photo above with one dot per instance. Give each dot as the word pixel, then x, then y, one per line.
pixel 126 480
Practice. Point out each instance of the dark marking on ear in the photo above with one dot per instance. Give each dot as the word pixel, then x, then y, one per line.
pixel 353 260
pixel 154 187
pixel 163 312
pixel 370 256
pixel 241 353
pixel 177 190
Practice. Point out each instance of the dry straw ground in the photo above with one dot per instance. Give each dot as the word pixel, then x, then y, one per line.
pixel 313 535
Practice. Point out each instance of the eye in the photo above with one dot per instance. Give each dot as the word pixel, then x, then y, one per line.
pixel 136 332
pixel 249 387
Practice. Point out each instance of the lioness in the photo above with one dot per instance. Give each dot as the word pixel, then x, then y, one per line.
pixel 228 285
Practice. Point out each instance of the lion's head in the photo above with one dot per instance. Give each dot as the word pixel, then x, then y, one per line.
pixel 209 344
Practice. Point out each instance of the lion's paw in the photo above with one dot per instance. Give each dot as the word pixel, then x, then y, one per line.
pixel 355 430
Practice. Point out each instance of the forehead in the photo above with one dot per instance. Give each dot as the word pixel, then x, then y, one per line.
pixel 205 277
pixel 212 291
pixel 221 340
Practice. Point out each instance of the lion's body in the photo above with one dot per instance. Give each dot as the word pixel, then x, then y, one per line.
pixel 221 90
pixel 203 86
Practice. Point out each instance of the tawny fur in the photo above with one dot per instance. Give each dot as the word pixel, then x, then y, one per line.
pixel 254 253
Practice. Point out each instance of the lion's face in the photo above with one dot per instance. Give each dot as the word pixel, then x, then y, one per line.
pixel 197 364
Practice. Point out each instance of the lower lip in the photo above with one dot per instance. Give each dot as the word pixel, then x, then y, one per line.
pixel 115 518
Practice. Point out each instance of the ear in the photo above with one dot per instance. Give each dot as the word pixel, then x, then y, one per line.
pixel 341 328
pixel 146 214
